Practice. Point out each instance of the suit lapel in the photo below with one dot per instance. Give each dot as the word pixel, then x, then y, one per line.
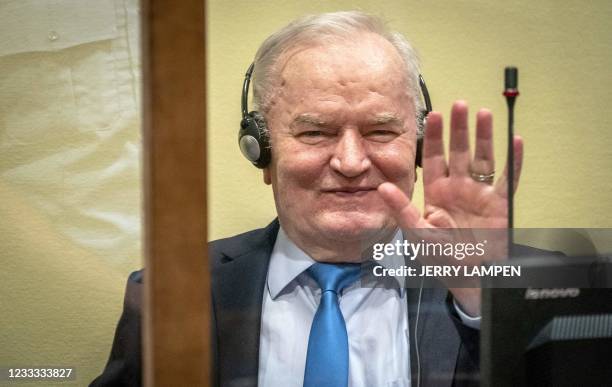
pixel 239 279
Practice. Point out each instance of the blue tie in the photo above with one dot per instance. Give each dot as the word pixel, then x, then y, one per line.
pixel 327 359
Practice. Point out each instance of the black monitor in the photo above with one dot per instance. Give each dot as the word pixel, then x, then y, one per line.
pixel 556 330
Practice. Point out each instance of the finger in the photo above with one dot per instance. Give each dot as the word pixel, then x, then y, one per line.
pixel 459 154
pixel 434 161
pixel 406 214
pixel 484 160
pixel 501 186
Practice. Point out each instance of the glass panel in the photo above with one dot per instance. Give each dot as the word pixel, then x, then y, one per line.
pixel 562 114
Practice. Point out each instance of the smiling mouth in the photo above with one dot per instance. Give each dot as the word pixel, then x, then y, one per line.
pixel 350 192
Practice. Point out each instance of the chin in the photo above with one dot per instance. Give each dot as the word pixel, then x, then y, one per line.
pixel 355 226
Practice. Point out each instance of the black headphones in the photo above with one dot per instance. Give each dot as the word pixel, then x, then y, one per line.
pixel 253 135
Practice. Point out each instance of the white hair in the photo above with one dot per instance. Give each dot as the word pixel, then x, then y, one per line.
pixel 314 29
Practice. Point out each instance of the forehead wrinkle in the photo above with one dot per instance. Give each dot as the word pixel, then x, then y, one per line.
pixel 380 55
pixel 334 81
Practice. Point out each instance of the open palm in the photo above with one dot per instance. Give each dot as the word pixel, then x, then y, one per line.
pixel 453 198
pixel 459 193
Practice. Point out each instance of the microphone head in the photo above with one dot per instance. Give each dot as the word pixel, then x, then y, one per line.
pixel 511 78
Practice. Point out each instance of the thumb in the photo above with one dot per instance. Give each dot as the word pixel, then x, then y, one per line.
pixel 406 213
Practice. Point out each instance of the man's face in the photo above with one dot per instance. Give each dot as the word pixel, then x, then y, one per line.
pixel 341 123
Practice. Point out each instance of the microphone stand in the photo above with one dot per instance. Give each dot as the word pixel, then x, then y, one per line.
pixel 510 92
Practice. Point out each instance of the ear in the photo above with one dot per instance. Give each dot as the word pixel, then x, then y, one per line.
pixel 266 176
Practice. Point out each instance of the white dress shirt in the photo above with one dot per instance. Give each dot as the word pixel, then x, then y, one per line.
pixel 376 318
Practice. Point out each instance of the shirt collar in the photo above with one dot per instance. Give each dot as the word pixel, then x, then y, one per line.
pixel 288 261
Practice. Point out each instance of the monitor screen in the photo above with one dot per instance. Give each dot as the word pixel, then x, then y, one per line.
pixel 558 335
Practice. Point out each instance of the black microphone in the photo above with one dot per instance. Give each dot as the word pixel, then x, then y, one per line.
pixel 510 92
pixel 511 78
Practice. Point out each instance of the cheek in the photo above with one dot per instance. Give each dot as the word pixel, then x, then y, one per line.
pixel 396 162
pixel 298 169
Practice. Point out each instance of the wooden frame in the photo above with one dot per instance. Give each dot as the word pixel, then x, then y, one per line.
pixel 177 288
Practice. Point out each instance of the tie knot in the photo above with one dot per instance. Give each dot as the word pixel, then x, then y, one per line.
pixel 334 276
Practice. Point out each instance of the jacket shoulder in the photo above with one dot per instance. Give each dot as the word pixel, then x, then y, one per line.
pixel 221 250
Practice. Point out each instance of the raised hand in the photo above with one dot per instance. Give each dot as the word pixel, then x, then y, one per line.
pixel 460 193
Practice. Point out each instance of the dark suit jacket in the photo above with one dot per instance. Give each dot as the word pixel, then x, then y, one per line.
pixel 448 350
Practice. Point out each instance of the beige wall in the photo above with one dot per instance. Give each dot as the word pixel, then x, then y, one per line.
pixel 563 52
pixel 61 297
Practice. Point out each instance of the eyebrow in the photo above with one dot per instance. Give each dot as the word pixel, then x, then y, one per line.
pixel 309 119
pixel 386 118
pixel 379 119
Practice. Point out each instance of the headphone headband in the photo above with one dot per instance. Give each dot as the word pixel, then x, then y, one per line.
pixel 253 140
pixel 245 90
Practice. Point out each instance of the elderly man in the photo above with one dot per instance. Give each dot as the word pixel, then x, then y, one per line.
pixel 339 113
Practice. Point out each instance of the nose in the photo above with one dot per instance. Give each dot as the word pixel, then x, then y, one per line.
pixel 350 157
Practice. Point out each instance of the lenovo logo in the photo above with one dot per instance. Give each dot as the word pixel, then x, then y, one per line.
pixel 549 293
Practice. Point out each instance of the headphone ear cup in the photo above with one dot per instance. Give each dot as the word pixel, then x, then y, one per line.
pixel 253 139
pixel 263 139
pixel 421 122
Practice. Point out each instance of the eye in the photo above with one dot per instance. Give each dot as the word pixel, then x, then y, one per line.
pixel 313 137
pixel 382 135
pixel 312 133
